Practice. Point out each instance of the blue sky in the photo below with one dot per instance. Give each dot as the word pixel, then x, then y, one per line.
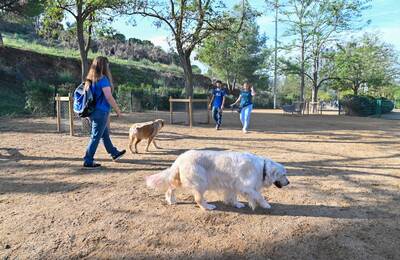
pixel 384 16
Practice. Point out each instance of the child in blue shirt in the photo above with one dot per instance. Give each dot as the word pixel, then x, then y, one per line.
pixel 217 103
pixel 246 105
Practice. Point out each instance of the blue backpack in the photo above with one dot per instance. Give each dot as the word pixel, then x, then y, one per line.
pixel 84 102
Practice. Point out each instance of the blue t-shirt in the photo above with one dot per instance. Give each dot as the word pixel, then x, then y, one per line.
pixel 97 90
pixel 218 94
pixel 246 98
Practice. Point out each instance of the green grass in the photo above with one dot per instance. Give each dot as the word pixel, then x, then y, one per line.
pixel 12 102
pixel 24 43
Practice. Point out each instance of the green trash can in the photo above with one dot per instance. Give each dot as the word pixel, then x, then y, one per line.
pixel 378 111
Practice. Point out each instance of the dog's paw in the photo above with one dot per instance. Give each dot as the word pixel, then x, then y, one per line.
pixel 209 207
pixel 239 205
pixel 266 205
pixel 171 201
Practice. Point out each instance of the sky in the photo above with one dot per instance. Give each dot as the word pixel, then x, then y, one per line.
pixel 384 16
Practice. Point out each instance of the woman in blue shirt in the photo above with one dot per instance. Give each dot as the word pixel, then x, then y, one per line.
pixel 246 105
pixel 99 80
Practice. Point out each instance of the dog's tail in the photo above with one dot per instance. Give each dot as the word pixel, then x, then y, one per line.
pixel 163 180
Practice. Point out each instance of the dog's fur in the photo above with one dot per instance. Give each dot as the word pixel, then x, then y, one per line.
pixel 146 130
pixel 231 172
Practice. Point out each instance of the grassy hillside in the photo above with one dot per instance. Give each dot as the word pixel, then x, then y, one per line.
pixel 24 43
pixel 23 61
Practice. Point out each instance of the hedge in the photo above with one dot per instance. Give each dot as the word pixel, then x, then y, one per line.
pixel 365 105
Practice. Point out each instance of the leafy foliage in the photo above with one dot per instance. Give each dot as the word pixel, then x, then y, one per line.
pixel 86 14
pixel 190 22
pixel 365 105
pixel 314 25
pixel 236 56
pixel 39 97
pixel 365 62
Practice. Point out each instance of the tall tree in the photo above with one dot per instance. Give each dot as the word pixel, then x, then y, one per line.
pixel 328 20
pixel 315 25
pixel 366 62
pixel 86 13
pixel 190 22
pixel 235 55
pixel 294 15
pixel 27 8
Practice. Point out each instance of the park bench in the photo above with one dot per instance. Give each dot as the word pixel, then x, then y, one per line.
pixel 296 107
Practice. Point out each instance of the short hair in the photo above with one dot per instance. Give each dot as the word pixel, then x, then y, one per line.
pixel 218 81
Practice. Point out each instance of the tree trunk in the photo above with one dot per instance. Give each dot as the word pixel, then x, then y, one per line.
pixel 302 76
pixel 228 81
pixel 234 82
pixel 228 84
pixel 187 70
pixel 315 86
pixel 314 94
pixel 355 90
pixel 82 50
pixel 1 41
pixel 314 98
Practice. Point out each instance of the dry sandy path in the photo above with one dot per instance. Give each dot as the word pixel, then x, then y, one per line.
pixel 343 201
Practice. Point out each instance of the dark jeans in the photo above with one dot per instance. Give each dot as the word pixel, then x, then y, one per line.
pixel 217 115
pixel 99 121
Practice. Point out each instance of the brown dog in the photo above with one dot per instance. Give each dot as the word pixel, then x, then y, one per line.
pixel 146 130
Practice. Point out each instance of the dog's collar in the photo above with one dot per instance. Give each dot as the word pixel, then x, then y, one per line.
pixel 264 172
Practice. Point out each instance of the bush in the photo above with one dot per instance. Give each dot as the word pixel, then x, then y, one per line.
pixel 147 97
pixel 39 97
pixel 387 106
pixel 65 77
pixel 263 100
pixel 364 105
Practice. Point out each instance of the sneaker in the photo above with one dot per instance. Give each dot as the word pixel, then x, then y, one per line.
pixel 244 131
pixel 217 127
pixel 118 155
pixel 91 165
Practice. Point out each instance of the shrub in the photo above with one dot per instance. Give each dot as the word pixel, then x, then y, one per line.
pixel 39 97
pixel 124 95
pixel 364 105
pixel 263 100
pixel 387 106
pixel 64 77
pixel 147 97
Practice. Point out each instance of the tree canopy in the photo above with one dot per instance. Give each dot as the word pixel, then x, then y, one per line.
pixel 190 23
pixel 236 56
pixel 314 26
pixel 365 62
pixel 86 14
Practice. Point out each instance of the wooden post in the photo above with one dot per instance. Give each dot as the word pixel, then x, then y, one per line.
pixel 71 114
pixel 208 110
pixel 58 108
pixel 190 112
pixel 170 111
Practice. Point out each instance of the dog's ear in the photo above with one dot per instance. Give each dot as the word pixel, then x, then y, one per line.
pixel 272 169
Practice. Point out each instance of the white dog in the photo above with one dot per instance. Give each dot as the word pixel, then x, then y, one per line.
pixel 231 172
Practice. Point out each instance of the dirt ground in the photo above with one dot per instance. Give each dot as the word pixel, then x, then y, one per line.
pixel 343 201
